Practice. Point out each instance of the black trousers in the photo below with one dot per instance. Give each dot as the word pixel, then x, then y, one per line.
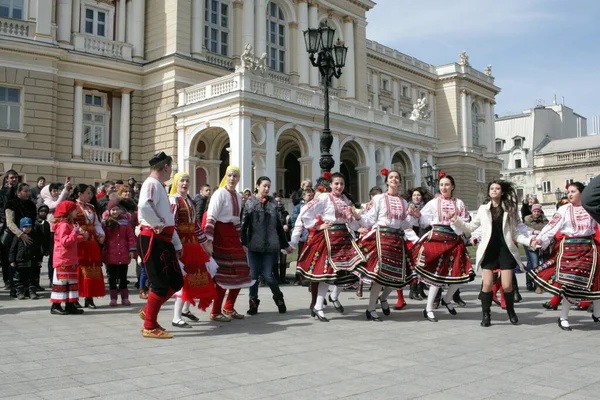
pixel 117 273
pixel 25 279
pixel 162 266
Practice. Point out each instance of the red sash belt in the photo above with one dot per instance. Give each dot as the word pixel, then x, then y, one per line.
pixel 166 234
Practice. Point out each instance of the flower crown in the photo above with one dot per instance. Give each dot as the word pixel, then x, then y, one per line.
pixel 385 172
pixel 441 175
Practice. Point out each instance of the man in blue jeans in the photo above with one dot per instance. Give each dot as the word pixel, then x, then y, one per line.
pixel 534 222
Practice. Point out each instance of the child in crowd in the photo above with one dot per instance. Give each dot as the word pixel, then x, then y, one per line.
pixel 42 228
pixel 66 238
pixel 119 249
pixel 27 260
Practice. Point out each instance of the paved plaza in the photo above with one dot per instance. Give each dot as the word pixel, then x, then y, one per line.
pixel 102 354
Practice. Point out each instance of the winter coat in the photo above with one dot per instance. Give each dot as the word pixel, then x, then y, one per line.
pixel 262 231
pixel 48 200
pixel 42 229
pixel 26 255
pixel 119 242
pixel 66 238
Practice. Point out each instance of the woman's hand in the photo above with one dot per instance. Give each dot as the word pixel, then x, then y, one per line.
pixel 474 241
pixel 85 234
pixel 208 248
pixel 324 226
pixel 285 228
pixel 100 239
pixel 290 250
pixel 452 216
pixel 25 237
pixel 131 255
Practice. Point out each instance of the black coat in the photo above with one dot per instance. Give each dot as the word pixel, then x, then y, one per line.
pixel 201 204
pixel 6 194
pixel 25 255
pixel 590 199
pixel 262 230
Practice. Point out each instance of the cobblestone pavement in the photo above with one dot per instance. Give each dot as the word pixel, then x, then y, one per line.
pixel 102 354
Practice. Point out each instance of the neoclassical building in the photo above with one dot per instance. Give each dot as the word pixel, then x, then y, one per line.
pixel 92 88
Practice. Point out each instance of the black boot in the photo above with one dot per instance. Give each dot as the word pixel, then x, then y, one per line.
pixel 71 309
pixel 486 305
pixel 510 307
pixel 282 274
pixel 515 286
pixel 280 303
pixel 253 309
pixel 414 292
pixel 421 290
pixel 456 298
pixel 56 309
pixel 89 302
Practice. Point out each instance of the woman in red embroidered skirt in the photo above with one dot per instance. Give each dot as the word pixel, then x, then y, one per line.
pixel 91 279
pixel 572 269
pixel 197 282
pixel 440 256
pixel 330 253
pixel 223 227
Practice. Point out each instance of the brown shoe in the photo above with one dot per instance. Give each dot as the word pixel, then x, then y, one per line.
pixel 219 318
pixel 142 315
pixel 156 333
pixel 233 314
pixel 143 294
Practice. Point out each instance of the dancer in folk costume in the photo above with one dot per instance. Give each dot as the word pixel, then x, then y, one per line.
pixel 91 279
pixel 197 282
pixel 158 244
pixel 384 247
pixel 223 226
pixel 572 268
pixel 330 253
pixel 499 223
pixel 64 280
pixel 440 257
pixel 375 190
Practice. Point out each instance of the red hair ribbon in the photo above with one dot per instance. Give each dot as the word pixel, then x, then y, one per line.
pixel 327 175
pixel 384 172
pixel 442 174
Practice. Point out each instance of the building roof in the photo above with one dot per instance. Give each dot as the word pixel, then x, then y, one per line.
pixel 571 144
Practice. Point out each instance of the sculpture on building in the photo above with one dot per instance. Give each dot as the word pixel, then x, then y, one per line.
pixel 488 70
pixel 249 62
pixel 464 59
pixel 421 110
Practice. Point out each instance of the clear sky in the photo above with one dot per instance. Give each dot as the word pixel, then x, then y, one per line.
pixel 537 48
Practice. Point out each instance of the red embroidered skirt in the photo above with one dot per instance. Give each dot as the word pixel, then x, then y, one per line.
pixel 386 264
pixel 90 277
pixel 229 254
pixel 68 273
pixel 330 256
pixel 197 283
pixel 441 258
pixel 571 270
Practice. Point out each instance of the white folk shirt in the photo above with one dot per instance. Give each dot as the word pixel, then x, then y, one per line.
pixel 154 209
pixel 569 220
pixel 438 212
pixel 325 208
pixel 388 211
pixel 224 207
pixel 198 232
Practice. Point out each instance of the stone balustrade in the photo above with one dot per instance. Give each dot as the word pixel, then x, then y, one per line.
pixel 101 155
pixel 102 47
pixel 17 28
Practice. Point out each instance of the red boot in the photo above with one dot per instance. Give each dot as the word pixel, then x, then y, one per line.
pixel 401 303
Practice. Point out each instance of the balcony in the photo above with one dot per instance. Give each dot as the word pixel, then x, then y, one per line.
pixel 101 155
pixel 17 28
pixel 578 157
pixel 102 47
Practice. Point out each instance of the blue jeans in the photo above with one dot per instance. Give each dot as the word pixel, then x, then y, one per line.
pixel 532 262
pixel 143 277
pixel 262 264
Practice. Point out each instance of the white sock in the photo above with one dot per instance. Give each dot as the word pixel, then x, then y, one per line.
pixel 177 309
pixel 335 293
pixel 385 293
pixel 596 305
pixel 375 289
pixel 564 313
pixel 186 307
pixel 451 290
pixel 433 290
pixel 321 292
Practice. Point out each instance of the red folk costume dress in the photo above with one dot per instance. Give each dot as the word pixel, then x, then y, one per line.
pixel 572 268
pixel 440 257
pixel 91 279
pixel 223 227
pixel 384 245
pixel 197 283
pixel 329 255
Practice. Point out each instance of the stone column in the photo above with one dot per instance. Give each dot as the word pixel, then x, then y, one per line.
pixel 349 71
pixel 241 147
pixel 387 156
pixel 375 86
pixel 139 22
pixel 431 101
pixel 197 27
pixel 313 22
pixel 372 172
pixel 248 24
pixel 469 121
pixel 293 60
pixel 121 20
pixel 316 151
pixel 417 168
pixel 43 26
pixel 271 156
pixel 75 16
pixel 260 27
pixel 64 20
pixel 464 120
pixel 493 125
pixel 396 94
pixel 303 61
pixel 124 136
pixel 415 92
pixel 129 23
pixel 78 120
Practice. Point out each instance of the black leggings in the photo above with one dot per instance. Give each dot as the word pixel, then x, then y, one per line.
pixel 117 272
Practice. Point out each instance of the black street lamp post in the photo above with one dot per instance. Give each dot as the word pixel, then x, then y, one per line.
pixel 430 173
pixel 330 59
pixel 559 194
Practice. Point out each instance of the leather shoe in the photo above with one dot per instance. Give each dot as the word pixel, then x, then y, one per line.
pixel 336 303
pixel 548 306
pixel 372 316
pixel 190 316
pixel 431 318
pixel 451 309
pixel 321 318
pixel 596 319
pixel 181 324
pixel 385 307
pixel 564 328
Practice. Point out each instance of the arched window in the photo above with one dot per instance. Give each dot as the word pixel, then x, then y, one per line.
pixel 475 124
pixel 275 38
pixel 216 26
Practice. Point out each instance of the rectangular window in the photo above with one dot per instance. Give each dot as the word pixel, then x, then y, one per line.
pixel 518 142
pixel 95 22
pixel 498 146
pixel 405 91
pixel 93 130
pixel 480 174
pixel 224 15
pixel 517 164
pixel 422 95
pixel 12 9
pixel 568 182
pixel 10 108
pixel 385 84
pixel 546 187
pixel 91 100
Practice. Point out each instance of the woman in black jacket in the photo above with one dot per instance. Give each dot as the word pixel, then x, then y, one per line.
pixel 264 237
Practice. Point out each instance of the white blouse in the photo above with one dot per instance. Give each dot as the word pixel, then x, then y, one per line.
pixel 154 209
pixel 438 212
pixel 569 220
pixel 325 208
pixel 389 211
pixel 224 207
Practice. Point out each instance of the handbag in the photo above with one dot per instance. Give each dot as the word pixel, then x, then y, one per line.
pixel 6 238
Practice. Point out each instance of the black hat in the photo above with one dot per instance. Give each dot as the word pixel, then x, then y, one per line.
pixel 42 206
pixel 158 157
pixel 131 178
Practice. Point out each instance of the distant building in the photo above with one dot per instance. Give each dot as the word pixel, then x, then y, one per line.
pixel 520 136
